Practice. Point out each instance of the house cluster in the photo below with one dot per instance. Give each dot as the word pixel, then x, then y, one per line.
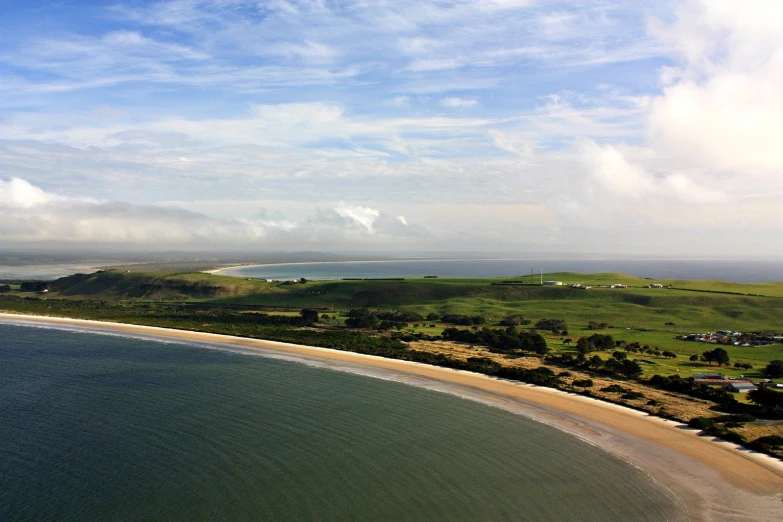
pixel 732 384
pixel 734 338
pixel 618 285
pixel 579 286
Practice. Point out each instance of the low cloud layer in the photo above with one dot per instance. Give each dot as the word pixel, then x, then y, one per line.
pixel 30 214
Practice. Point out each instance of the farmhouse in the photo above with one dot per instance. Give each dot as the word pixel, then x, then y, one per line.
pixel 552 283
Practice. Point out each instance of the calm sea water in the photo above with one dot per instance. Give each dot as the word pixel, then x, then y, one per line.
pixel 100 427
pixel 737 271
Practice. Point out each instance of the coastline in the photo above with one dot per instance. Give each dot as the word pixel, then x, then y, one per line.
pixel 711 480
pixel 217 271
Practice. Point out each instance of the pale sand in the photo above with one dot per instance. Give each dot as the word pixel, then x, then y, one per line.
pixel 710 480
pixel 218 271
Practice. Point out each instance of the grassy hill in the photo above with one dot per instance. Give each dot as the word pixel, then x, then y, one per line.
pixel 119 285
pixel 650 316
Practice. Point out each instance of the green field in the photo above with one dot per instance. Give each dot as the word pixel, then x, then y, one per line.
pixel 650 316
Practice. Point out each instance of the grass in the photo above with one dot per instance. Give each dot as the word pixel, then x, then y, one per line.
pixel 638 313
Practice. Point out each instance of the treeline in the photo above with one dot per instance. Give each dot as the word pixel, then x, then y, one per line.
pixel 616 366
pixel 506 341
pixel 34 286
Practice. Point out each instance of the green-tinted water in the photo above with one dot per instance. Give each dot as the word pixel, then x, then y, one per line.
pixel 95 427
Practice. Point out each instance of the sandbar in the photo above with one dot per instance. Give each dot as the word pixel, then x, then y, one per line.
pixel 709 479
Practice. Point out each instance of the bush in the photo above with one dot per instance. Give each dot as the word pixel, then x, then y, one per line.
pixel 632 396
pixel 774 370
pixel 463 320
pixel 740 417
pixel 583 383
pixel 552 324
pixel 701 423
pixel 773 441
pixel 615 388
pixel 592 325
pixel 514 320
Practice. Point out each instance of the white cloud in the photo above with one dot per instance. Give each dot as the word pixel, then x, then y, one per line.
pixel 434 64
pixel 721 108
pixel 615 173
pixel 458 102
pixel 513 143
pixel 362 216
pixel 18 193
pixel 30 214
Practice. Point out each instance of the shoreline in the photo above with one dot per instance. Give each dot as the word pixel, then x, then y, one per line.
pixel 730 279
pixel 709 480
pixel 217 271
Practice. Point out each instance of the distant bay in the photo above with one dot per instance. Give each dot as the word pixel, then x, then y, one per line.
pixel 738 271
pixel 98 427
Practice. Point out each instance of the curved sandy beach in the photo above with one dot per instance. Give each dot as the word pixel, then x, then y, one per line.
pixel 711 480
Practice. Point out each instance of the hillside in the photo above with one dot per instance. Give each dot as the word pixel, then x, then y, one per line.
pixel 119 285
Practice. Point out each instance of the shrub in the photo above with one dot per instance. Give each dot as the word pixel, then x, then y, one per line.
pixel 615 388
pixel 514 320
pixel 773 441
pixel 583 383
pixel 552 324
pixel 701 423
pixel 632 396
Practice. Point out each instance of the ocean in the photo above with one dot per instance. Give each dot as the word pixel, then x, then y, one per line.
pixel 104 427
pixel 746 271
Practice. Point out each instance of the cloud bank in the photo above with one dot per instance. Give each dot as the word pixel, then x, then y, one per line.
pixel 30 214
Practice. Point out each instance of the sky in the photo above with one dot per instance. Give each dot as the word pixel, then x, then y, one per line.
pixel 582 126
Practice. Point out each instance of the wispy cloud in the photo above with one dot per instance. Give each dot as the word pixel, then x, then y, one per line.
pixel 458 102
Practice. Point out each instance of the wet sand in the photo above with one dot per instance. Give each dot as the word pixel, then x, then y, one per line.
pixel 711 480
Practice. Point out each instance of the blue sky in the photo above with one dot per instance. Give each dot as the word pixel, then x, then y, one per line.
pixel 575 126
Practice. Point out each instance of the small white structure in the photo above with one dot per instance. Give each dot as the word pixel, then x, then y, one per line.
pixel 656 285
pixel 618 285
pixel 552 283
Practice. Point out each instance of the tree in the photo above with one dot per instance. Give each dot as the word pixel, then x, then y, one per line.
pixel 554 325
pixel 770 400
pixel 620 356
pixel 669 355
pixel 595 362
pixel 514 320
pixel 774 369
pixel 721 356
pixel 630 369
pixel 362 318
pixel 718 355
pixel 309 316
pixel 5 288
pixel 694 358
